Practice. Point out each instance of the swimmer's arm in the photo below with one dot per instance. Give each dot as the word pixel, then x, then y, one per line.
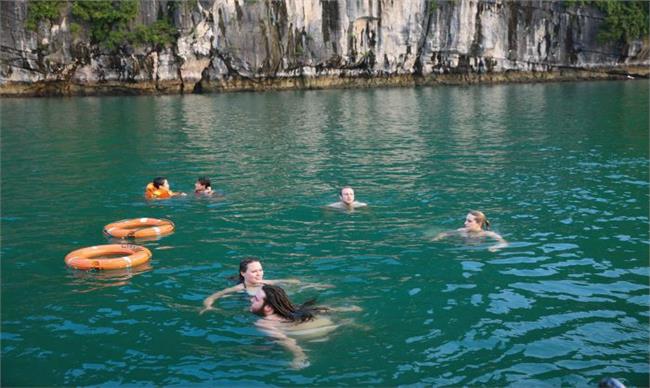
pixel 442 235
pixel 360 204
pixel 282 281
pixel 501 243
pixel 343 309
pixel 299 357
pixel 319 286
pixel 207 302
pixel 178 194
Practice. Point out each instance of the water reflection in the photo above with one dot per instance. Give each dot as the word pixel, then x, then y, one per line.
pixel 89 281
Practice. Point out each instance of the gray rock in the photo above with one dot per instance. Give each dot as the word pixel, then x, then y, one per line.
pixel 261 44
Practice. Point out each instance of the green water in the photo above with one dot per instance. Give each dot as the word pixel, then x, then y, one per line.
pixel 560 169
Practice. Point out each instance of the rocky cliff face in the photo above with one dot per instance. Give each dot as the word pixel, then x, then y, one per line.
pixel 261 44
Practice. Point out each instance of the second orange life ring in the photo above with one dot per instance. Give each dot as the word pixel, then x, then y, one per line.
pixel 139 228
pixel 99 257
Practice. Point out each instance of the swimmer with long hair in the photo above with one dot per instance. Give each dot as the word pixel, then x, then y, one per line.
pixel 476 226
pixel 284 321
pixel 251 279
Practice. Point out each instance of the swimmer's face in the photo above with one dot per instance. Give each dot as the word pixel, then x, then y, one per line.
pixel 254 273
pixel 257 303
pixel 198 186
pixel 347 196
pixel 471 224
pixel 166 184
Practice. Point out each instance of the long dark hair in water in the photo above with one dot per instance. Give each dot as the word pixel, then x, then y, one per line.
pixel 281 305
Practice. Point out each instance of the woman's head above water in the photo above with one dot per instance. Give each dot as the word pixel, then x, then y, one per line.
pixel 250 271
pixel 475 221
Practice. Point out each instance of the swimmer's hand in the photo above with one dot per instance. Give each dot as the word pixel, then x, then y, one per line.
pixel 352 308
pixel 300 362
pixel 317 286
pixel 501 243
pixel 345 309
pixel 288 281
pixel 439 237
pixel 207 308
pixel 497 247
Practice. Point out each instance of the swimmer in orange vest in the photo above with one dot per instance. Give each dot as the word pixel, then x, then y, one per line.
pixel 159 189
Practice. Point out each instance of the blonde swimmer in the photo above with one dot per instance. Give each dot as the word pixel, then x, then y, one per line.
pixel 476 226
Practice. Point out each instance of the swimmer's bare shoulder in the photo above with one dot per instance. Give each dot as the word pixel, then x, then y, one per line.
pixel 320 326
pixel 317 322
pixel 312 329
pixel 342 206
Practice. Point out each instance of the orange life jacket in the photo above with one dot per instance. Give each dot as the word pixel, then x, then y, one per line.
pixel 151 192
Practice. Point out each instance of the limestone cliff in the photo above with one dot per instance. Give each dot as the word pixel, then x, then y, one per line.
pixel 224 45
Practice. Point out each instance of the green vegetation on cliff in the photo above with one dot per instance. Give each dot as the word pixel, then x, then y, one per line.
pixel 38 11
pixel 624 20
pixel 106 20
pixel 159 33
pixel 109 23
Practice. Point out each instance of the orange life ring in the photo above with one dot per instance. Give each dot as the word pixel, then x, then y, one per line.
pixel 96 257
pixel 139 228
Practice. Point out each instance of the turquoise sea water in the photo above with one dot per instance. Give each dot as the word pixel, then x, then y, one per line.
pixel 562 171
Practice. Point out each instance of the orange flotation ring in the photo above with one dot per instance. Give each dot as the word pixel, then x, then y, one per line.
pixel 98 257
pixel 139 228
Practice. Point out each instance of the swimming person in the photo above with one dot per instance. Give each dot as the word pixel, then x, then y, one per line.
pixel 159 189
pixel 284 322
pixel 476 226
pixel 346 200
pixel 203 186
pixel 251 279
